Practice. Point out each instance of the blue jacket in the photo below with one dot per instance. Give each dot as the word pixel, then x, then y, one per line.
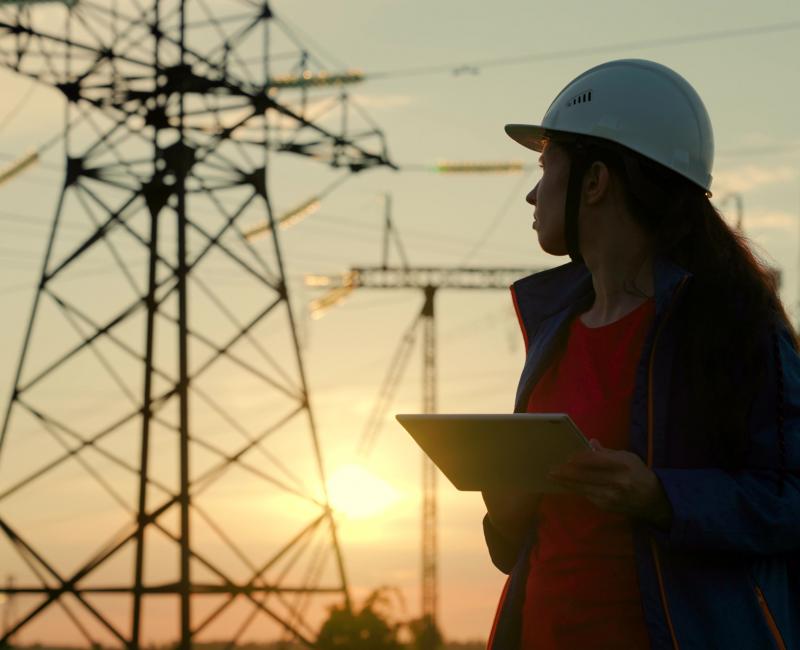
pixel 727 573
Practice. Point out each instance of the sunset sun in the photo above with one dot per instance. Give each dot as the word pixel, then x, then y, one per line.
pixel 357 493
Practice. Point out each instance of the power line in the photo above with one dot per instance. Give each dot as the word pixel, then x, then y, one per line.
pixel 430 240
pixel 755 150
pixel 42 164
pixel 478 168
pixel 295 33
pixel 447 239
pixel 323 221
pixel 651 43
pixel 14 110
pixel 494 223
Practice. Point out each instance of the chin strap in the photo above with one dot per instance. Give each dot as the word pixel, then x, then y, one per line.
pixel 578 167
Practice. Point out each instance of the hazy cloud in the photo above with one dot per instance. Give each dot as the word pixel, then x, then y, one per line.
pixel 770 220
pixel 750 177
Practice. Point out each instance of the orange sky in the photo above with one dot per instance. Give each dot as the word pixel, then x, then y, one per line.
pixel 454 114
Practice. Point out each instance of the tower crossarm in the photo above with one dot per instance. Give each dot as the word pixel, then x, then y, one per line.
pixel 119 59
pixel 421 277
pixel 33 43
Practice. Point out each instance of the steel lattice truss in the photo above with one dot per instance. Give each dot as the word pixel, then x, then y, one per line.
pixel 160 406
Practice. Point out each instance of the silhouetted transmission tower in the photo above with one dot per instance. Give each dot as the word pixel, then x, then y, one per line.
pixel 160 407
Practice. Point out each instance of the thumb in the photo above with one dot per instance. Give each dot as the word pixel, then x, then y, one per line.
pixel 594 443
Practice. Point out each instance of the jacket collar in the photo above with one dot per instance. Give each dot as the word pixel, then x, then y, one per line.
pixel 667 276
pixel 550 292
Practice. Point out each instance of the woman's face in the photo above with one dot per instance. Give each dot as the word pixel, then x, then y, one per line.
pixel 548 197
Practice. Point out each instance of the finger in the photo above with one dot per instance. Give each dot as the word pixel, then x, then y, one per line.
pixel 580 482
pixel 600 460
pixel 603 496
pixel 605 501
pixel 586 469
pixel 590 455
pixel 576 476
pixel 607 497
pixel 572 487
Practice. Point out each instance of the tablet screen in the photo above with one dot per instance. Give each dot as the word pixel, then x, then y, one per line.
pixel 488 451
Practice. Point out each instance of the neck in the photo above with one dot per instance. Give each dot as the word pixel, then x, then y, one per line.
pixel 622 276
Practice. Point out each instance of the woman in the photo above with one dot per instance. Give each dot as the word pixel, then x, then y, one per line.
pixel 666 342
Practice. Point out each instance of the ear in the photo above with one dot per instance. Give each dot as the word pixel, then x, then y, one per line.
pixel 596 183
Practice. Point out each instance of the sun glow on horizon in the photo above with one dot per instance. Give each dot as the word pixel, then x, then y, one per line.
pixel 358 493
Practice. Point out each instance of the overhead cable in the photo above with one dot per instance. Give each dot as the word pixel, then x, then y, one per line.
pixel 557 55
pixel 14 110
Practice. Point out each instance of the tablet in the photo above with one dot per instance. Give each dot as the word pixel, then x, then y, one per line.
pixel 478 452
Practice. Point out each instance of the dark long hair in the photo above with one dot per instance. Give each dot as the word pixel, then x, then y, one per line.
pixel 731 303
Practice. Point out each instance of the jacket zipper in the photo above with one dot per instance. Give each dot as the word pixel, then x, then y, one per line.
pixel 773 627
pixel 650 417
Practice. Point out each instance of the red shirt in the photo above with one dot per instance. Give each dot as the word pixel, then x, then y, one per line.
pixel 582 589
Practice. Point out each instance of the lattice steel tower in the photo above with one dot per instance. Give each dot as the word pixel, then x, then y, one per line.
pixel 160 406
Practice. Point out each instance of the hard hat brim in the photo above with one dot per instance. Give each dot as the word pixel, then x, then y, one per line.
pixel 533 136
pixel 530 136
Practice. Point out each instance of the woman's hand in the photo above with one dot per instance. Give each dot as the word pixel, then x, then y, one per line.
pixel 511 511
pixel 618 481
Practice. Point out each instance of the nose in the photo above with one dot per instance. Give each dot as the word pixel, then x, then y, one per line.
pixel 531 198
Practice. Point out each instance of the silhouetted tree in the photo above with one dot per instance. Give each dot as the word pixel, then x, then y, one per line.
pixel 424 634
pixel 366 629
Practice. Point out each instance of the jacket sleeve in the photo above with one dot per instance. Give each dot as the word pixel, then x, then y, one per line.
pixel 757 509
pixel 742 512
pixel 503 553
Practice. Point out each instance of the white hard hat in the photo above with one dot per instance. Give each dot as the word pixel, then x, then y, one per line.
pixel 639 104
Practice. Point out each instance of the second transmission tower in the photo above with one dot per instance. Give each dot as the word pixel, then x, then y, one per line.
pixel 429 280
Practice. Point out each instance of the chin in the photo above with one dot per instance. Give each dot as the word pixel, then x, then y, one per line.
pixel 551 247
